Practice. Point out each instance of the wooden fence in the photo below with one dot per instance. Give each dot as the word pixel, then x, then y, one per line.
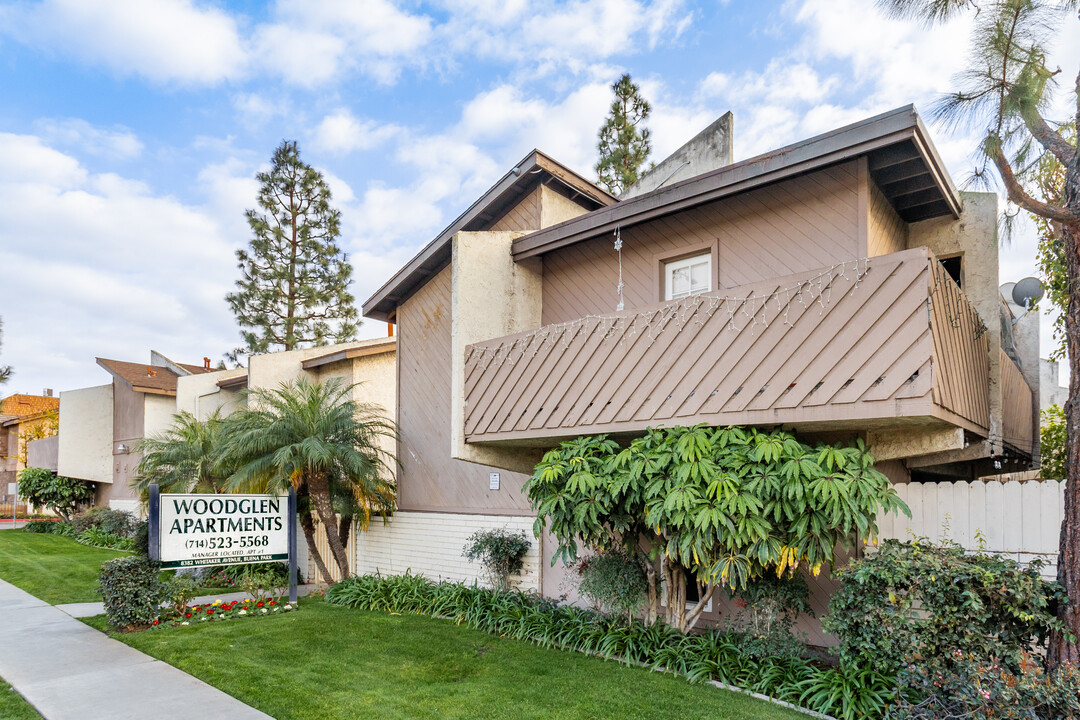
pixel 1019 519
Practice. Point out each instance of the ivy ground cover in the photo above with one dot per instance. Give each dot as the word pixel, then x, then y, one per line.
pixel 328 662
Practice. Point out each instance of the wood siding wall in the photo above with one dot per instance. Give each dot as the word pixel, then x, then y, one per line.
pixel 961 350
pixel 858 346
pixel 793 226
pixel 886 231
pixel 430 479
pixel 1017 425
pixel 523 216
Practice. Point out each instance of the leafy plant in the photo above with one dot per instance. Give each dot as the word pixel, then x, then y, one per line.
pixel 500 552
pixel 1052 443
pixel 95 536
pixel 719 506
pixel 614 581
pixel 913 602
pixel 180 589
pixel 767 610
pixel 62 495
pixel 132 591
pixel 980 689
pixel 113 522
pixel 186 458
pixel 263 584
pixel 39 526
pixel 217 576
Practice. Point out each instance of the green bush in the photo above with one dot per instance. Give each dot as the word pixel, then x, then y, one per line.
pixel 916 602
pixel 847 693
pixel 500 552
pixel 132 591
pixel 982 690
pixel 218 576
pixel 180 589
pixel 40 526
pixel 614 582
pixel 767 610
pixel 45 488
pixel 97 537
pixel 114 522
pixel 1052 443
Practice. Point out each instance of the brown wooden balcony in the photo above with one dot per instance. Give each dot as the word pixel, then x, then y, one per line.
pixel 869 344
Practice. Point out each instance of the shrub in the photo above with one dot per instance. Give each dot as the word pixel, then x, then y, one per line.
pixel 63 528
pixel 614 582
pixel 847 693
pixel 142 538
pixel 131 590
pixel 980 690
pixel 97 537
pixel 262 584
pixel 180 589
pixel 114 522
pixel 45 488
pixel 500 552
pixel 911 602
pixel 40 526
pixel 219 576
pixel 1052 443
pixel 767 610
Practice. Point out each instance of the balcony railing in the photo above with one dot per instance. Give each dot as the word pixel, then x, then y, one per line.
pixel 857 345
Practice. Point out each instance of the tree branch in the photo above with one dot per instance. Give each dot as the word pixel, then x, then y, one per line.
pixel 1049 138
pixel 1020 196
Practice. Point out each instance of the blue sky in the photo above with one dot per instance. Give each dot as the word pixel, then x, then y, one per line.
pixel 131 130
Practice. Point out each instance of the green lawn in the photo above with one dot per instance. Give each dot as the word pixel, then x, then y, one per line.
pixel 54 568
pixel 329 662
pixel 13 707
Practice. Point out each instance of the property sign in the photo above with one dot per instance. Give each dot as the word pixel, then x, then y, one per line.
pixel 205 529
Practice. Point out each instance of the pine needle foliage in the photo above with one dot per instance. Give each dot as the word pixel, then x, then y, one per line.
pixel 624 143
pixel 294 285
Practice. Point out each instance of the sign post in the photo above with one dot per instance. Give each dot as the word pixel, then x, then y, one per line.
pixel 292 545
pixel 154 535
pixel 13 490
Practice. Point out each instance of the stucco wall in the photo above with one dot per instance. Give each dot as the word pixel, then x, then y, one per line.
pixel 86 434
pixel 200 395
pixel 43 453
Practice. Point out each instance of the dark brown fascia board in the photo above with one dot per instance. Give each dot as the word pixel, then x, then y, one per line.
pixel 836 146
pixel 350 354
pixel 433 257
pixel 232 382
pixel 153 391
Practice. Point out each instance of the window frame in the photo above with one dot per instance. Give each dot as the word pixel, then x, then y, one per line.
pixel 670 266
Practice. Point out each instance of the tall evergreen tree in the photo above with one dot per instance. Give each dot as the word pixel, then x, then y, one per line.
pixel 294 289
pixel 1007 95
pixel 5 370
pixel 624 140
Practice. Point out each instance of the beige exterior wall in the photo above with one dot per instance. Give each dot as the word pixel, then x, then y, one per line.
pixel 431 544
pixel 200 395
pixel 86 434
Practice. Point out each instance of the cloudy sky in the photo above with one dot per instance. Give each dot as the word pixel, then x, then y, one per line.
pixel 130 131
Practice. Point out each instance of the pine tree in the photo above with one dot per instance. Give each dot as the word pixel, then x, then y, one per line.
pixel 5 370
pixel 1007 95
pixel 294 289
pixel 624 146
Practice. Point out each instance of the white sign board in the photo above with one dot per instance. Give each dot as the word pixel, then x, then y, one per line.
pixel 493 481
pixel 223 529
pixel 13 488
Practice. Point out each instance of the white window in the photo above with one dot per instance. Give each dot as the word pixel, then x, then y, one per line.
pixel 686 277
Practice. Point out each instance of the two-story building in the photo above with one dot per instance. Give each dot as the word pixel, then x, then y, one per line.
pixel 841 287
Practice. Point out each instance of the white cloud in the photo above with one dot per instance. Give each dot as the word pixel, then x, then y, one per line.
pixel 161 40
pixel 343 132
pixel 119 143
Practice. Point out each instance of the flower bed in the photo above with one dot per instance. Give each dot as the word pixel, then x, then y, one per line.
pixel 218 611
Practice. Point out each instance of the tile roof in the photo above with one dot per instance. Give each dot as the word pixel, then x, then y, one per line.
pixel 20 405
pixel 142 377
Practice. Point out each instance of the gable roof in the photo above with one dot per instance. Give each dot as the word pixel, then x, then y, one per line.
pixel 19 405
pixel 902 161
pixel 534 169
pixel 152 379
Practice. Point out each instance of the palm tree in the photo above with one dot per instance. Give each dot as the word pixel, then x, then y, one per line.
pixel 315 438
pixel 186 458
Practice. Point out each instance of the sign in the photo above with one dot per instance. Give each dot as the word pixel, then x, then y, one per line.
pixel 230 529
pixel 493 481
pixel 13 488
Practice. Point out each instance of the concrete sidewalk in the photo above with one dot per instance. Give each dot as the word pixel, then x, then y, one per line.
pixel 90 609
pixel 69 671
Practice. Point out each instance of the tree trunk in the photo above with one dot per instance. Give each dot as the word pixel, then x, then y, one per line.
pixel 703 599
pixel 345 530
pixel 652 612
pixel 1064 650
pixel 319 491
pixel 313 549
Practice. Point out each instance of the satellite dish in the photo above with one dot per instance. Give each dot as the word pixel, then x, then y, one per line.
pixel 1027 292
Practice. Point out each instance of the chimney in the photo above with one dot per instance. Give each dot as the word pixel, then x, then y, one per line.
pixel 206 363
pixel 151 372
pixel 47 392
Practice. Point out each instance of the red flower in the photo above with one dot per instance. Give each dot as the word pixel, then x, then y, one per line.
pixel 273 603
pixel 188 615
pixel 154 623
pixel 259 604
pixel 210 612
